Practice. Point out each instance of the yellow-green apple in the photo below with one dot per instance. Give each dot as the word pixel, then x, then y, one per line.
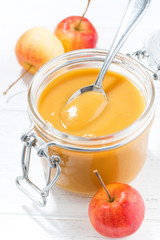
pixel 119 214
pixel 74 36
pixel 36 47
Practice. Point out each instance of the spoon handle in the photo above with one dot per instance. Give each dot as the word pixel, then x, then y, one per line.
pixel 132 15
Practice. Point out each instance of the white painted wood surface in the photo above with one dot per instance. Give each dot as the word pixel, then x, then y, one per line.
pixel 66 215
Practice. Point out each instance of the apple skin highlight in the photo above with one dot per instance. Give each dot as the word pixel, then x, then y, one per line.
pixel 72 38
pixel 120 217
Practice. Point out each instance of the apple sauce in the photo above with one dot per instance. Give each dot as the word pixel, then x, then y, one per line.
pixel 125 103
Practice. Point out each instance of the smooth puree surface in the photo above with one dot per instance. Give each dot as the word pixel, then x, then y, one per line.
pixel 125 104
pixel 83 110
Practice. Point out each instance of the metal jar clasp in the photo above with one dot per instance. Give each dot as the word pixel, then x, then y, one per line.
pixel 145 60
pixel 31 141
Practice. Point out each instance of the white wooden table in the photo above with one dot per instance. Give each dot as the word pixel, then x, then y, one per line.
pixel 66 215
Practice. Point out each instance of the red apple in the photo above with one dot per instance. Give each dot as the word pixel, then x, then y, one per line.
pixel 119 216
pixel 74 37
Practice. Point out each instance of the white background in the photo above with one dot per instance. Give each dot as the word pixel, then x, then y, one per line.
pixel 66 215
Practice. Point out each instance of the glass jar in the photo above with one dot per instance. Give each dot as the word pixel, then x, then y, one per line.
pixel 70 160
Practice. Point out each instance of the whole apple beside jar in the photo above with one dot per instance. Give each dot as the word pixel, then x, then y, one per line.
pixel 116 210
pixel 77 32
pixel 74 37
pixel 36 47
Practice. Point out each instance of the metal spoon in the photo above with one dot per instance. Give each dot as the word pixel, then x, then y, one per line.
pixel 134 12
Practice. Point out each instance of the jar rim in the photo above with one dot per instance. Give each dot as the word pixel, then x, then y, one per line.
pixel 112 140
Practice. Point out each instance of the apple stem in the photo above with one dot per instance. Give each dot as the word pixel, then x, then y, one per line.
pixel 22 75
pixel 77 28
pixel 103 185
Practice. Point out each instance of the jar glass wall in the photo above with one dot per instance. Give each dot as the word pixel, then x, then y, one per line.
pixel 118 157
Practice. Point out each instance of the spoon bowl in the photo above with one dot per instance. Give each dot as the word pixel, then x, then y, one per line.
pixel 93 88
